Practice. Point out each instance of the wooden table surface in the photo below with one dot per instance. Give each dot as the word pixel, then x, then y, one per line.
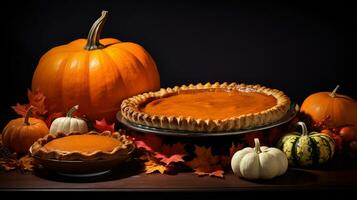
pixel 338 175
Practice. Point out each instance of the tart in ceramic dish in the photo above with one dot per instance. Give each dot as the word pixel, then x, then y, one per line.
pixel 82 146
pixel 207 108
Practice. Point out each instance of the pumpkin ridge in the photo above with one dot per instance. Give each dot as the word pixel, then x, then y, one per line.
pixel 293 151
pixel 315 154
pixel 116 68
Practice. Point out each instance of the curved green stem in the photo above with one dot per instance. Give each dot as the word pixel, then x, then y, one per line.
pixel 27 116
pixel 333 93
pixel 94 33
pixel 72 110
pixel 303 128
pixel 257 145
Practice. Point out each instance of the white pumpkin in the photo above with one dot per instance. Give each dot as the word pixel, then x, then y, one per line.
pixel 69 124
pixel 259 162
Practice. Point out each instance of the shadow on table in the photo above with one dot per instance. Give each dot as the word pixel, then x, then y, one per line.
pixel 124 170
pixel 291 177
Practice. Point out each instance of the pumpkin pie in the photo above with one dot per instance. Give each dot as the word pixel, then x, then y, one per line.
pixel 79 146
pixel 207 108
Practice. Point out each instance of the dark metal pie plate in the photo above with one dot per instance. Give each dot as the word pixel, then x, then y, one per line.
pixel 294 108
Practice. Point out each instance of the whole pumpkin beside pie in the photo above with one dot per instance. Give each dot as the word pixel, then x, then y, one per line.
pixel 209 107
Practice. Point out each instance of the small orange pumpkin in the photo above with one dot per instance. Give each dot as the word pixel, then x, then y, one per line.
pixel 95 73
pixel 340 110
pixel 19 134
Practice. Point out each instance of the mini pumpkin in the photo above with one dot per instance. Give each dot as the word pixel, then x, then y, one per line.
pixel 95 73
pixel 307 149
pixel 19 134
pixel 259 162
pixel 339 110
pixel 69 124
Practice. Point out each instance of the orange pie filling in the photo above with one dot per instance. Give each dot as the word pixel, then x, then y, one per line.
pixel 215 105
pixel 83 143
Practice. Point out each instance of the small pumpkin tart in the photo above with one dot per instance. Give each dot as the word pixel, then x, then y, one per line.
pixel 82 146
pixel 209 108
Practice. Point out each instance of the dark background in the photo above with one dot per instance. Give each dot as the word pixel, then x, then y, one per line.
pixel 298 47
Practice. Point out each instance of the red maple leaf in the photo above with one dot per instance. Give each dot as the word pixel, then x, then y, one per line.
pixel 37 100
pixel 171 154
pixel 147 142
pixel 205 163
pixel 102 125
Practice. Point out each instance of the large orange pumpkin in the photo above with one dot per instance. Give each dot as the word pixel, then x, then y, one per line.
pixel 340 110
pixel 95 73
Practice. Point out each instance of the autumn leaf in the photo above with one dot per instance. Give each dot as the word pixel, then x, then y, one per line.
pixel 26 163
pixel 216 171
pixel 8 164
pixel 21 109
pixel 171 154
pixel 149 142
pixel 205 163
pixel 37 100
pixel 102 125
pixel 152 164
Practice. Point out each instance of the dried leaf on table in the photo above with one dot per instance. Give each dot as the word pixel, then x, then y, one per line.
pixel 26 163
pixel 8 164
pixel 205 163
pixel 149 142
pixel 153 165
pixel 171 153
pixel 102 125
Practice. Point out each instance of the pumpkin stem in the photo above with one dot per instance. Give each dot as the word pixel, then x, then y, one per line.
pixel 303 128
pixel 72 110
pixel 27 115
pixel 257 145
pixel 333 93
pixel 94 33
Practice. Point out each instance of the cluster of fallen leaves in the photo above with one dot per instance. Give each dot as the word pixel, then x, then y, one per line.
pixel 173 158
pixel 9 161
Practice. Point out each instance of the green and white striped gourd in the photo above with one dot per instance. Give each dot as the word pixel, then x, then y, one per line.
pixel 307 149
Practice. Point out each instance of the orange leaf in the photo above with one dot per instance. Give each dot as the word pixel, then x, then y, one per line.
pixel 203 158
pixel 8 164
pixel 148 142
pixel 102 125
pixel 205 163
pixel 171 154
pixel 216 171
pixel 37 99
pixel 21 109
pixel 26 163
pixel 152 165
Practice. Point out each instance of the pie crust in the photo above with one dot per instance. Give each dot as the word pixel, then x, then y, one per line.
pixel 131 109
pixel 123 148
